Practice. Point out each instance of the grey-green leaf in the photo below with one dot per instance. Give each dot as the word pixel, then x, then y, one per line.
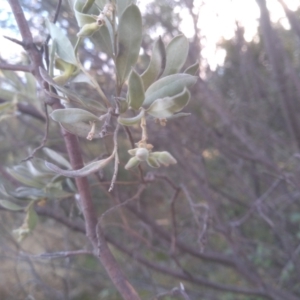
pixel 166 107
pixel 10 205
pixel 82 129
pixel 129 41
pixel 157 64
pixel 192 70
pixel 136 94
pixel 131 121
pixel 64 47
pixel 168 86
pixel 122 5
pixel 72 115
pixel 57 157
pixel 177 52
pixel 25 178
pixel 85 171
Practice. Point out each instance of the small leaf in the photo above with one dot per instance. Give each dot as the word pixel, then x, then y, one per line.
pixel 64 47
pixel 103 39
pixel 85 171
pixel 82 129
pixel 72 115
pixel 135 90
pixel 164 158
pixel 88 29
pixel 152 161
pixel 177 51
pixel 166 107
pixel 168 86
pixel 132 163
pixel 23 176
pixel 82 18
pixel 129 41
pixel 57 157
pixel 157 64
pixel 192 70
pixel 131 121
pixel 10 205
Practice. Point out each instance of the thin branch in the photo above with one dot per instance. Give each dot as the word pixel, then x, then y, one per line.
pixel 117 161
pixel 9 67
pixel 61 254
pixel 20 43
pixel 45 138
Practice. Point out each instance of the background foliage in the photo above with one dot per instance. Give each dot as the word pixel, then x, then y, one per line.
pixel 224 221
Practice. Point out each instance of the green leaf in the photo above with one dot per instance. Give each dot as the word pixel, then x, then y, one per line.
pixel 103 39
pixel 64 47
pixel 135 90
pixel 82 129
pixel 129 41
pixel 177 52
pixel 152 161
pixel 22 175
pixel 122 5
pixel 168 86
pixel 192 70
pixel 57 157
pixel 164 158
pixel 72 115
pixel 131 121
pixel 166 107
pixel 132 163
pixel 82 18
pixel 85 171
pixel 10 205
pixel 157 64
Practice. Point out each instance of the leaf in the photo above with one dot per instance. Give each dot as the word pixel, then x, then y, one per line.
pixel 177 52
pixel 131 121
pixel 10 205
pixel 157 64
pixel 168 86
pixel 82 129
pixel 166 107
pixel 57 157
pixel 103 39
pixel 132 163
pixel 82 18
pixel 122 5
pixel 72 115
pixel 192 70
pixel 135 90
pixel 129 41
pixel 85 171
pixel 22 176
pixel 64 47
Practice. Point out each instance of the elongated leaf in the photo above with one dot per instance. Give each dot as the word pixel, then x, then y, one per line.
pixel 168 86
pixel 177 52
pixel 23 177
pixel 103 39
pixel 82 18
pixel 135 90
pixel 72 115
pixel 122 5
pixel 157 64
pixel 192 70
pixel 166 107
pixel 64 47
pixel 57 157
pixel 10 205
pixel 129 41
pixel 82 129
pixel 131 121
pixel 85 171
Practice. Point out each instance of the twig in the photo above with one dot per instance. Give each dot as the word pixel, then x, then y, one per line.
pixel 61 254
pixel 174 226
pixel 45 138
pixel 23 68
pixel 135 197
pixel 20 43
pixel 114 178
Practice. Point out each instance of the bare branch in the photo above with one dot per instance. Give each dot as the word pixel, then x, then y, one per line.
pixel 22 68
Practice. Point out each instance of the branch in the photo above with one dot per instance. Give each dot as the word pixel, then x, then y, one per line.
pixel 9 67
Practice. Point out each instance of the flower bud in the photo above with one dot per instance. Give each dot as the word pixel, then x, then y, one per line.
pixel 132 163
pixel 142 154
pixel 88 29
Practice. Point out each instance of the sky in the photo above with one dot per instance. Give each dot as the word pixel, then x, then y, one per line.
pixel 217 20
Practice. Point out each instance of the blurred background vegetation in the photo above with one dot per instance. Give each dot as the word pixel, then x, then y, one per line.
pixel 224 221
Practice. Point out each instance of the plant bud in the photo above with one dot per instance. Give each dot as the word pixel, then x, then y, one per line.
pixel 165 158
pixel 132 163
pixel 142 154
pixel 152 161
pixel 88 29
